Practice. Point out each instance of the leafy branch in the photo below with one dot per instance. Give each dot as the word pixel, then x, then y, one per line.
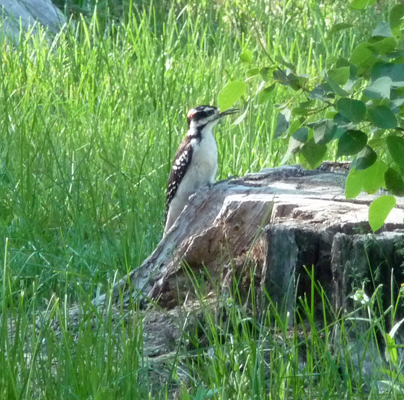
pixel 358 107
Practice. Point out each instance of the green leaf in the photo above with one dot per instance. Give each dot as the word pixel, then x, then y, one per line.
pixel 382 29
pixel 296 142
pixel 230 94
pixel 266 73
pixel 265 94
pixel 397 103
pixel 330 61
pixel 282 61
pixel 304 108
pixel 394 182
pixel 394 71
pixel 383 117
pixel 343 62
pixel 353 69
pixel 360 54
pixel 339 27
pixel 295 125
pixel 336 88
pixel 339 75
pixel 324 131
pixel 361 4
pixel 395 145
pixel 353 184
pixel 366 158
pixel 308 104
pixel 300 136
pixel 379 89
pixel 339 133
pixel 353 72
pixel 394 55
pixel 314 153
pixel 353 110
pixel 379 210
pixel 373 177
pixel 396 19
pixel 281 76
pixel 301 80
pixel 322 92
pixel 252 72
pixel 351 142
pixel 283 122
pixel 342 122
pixel 247 56
pixel 363 57
pixel 382 46
pixel 288 78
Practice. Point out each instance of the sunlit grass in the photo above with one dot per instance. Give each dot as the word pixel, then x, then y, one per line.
pixel 91 120
pixel 89 123
pixel 225 353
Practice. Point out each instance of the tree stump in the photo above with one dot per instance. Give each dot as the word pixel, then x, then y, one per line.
pixel 275 223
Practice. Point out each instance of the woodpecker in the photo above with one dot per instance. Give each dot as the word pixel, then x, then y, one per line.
pixel 195 162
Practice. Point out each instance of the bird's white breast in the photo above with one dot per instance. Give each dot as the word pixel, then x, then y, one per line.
pixel 203 167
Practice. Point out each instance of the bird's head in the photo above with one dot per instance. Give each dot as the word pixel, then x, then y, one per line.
pixel 206 116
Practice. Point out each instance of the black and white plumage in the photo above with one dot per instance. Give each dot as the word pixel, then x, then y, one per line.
pixel 195 163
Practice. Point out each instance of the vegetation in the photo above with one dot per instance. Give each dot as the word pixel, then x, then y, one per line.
pixel 89 123
pixel 358 105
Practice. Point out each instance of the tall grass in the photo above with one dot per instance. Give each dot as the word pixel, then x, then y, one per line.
pixel 89 123
pixel 225 354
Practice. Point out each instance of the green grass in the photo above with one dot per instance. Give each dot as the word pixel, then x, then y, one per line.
pixel 227 354
pixel 89 123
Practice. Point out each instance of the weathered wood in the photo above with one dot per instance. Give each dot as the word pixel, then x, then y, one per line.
pixel 291 214
pixel 367 260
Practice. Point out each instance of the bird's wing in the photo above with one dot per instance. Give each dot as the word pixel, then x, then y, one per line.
pixel 181 162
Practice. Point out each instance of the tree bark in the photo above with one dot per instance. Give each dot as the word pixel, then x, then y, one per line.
pixel 275 223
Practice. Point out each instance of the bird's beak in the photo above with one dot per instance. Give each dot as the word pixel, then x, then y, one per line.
pixel 228 112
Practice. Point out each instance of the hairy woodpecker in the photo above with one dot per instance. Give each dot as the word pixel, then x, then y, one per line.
pixel 195 163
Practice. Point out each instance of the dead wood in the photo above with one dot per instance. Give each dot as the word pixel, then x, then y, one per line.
pixel 276 221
